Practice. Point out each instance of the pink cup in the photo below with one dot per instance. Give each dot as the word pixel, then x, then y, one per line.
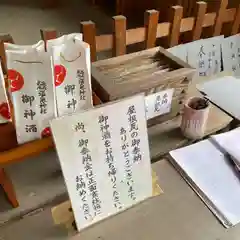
pixel 194 121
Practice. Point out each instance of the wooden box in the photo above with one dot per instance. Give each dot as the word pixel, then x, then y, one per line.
pixel 142 71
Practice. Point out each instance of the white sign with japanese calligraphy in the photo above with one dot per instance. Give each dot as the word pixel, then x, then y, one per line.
pixel 72 75
pixel 104 155
pixel 205 55
pixel 4 106
pixel 158 103
pixel 30 76
pixel 231 54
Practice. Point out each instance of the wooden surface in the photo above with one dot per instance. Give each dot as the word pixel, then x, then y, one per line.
pixel 177 214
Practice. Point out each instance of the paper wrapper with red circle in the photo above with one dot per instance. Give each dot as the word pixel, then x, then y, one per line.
pixel 5 115
pixel 30 75
pixel 72 76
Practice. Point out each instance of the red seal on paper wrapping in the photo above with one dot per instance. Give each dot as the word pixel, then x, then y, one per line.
pixel 4 110
pixel 16 80
pixel 46 132
pixel 59 74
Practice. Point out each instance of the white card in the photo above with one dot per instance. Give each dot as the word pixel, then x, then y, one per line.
pixel 231 54
pixel 30 75
pixel 104 155
pixel 158 103
pixel 4 105
pixel 72 76
pixel 180 51
pixel 205 55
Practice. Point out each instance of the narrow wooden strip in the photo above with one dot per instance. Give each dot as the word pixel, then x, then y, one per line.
pixel 176 18
pixel 151 24
pixel 104 42
pixel 219 18
pixel 119 35
pixel 88 30
pixel 236 23
pixel 26 150
pixel 119 7
pixel 199 18
pixel 48 34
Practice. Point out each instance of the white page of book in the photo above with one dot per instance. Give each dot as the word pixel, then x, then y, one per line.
pixel 207 167
pixel 104 155
pixel 230 142
pixel 225 93
pixel 205 55
pixel 231 54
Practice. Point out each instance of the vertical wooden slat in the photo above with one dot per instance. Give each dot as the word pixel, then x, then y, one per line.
pixel 119 35
pixel 219 17
pixel 199 18
pixel 174 31
pixel 236 23
pixel 48 34
pixel 150 23
pixel 119 7
pixel 88 30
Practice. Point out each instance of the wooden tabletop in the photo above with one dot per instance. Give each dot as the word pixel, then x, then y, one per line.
pixel 177 214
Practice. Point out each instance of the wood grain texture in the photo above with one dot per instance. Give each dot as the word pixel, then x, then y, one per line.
pixel 48 34
pixel 104 42
pixel 88 30
pixel 150 23
pixel 236 23
pixel 119 35
pixel 201 8
pixel 174 32
pixel 219 18
pixel 8 188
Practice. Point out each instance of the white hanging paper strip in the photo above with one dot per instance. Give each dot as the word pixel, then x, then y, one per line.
pixel 72 76
pixel 105 160
pixel 30 75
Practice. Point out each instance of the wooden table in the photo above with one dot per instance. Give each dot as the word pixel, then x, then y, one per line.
pixel 177 214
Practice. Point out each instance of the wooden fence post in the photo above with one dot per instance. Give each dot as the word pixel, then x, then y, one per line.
pixel 48 34
pixel 119 35
pixel 198 21
pixel 236 23
pixel 151 24
pixel 174 30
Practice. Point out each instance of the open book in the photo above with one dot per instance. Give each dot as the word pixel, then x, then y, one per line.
pixel 209 171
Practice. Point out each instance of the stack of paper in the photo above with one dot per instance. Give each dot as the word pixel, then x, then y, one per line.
pixel 209 172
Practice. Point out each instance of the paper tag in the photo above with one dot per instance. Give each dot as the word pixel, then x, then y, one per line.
pixel 158 103
pixel 106 164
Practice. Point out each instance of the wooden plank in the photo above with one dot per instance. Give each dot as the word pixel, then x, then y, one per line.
pixel 104 42
pixel 26 150
pixel 199 18
pixel 88 29
pixel 236 23
pixel 174 32
pixel 219 18
pixel 48 34
pixel 151 23
pixel 119 35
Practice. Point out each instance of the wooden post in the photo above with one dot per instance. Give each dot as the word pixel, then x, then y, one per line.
pixel 199 18
pixel 151 23
pixel 119 35
pixel 88 30
pixel 219 18
pixel 48 34
pixel 236 23
pixel 174 31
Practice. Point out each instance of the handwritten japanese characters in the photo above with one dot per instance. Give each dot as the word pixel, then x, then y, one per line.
pixel 72 75
pixel 106 165
pixel 5 115
pixel 205 56
pixel 159 103
pixel 231 54
pixel 31 86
